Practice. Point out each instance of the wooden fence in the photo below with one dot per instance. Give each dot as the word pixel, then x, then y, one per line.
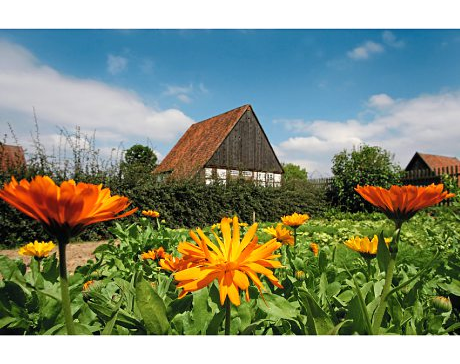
pixel 422 177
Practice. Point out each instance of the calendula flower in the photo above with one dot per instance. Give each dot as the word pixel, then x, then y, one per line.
pixel 366 247
pixel 232 261
pixel 314 248
pixel 150 213
pixel 401 203
pixel 281 234
pixel 87 284
pixel 160 253
pixel 67 209
pixel 294 220
pixel 173 264
pixel 64 212
pixel 217 226
pixel 37 249
pixel 154 254
pixel 149 255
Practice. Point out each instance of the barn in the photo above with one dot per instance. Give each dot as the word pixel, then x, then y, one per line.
pixel 228 146
pixel 432 162
pixel 11 156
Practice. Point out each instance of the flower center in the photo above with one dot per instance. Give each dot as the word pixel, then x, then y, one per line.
pixel 229 266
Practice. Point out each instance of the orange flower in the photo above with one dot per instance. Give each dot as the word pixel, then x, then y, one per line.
pixel 154 254
pixel 294 220
pixel 150 213
pixel 87 284
pixel 149 255
pixel 67 209
pixel 281 234
pixel 314 248
pixel 231 262
pixel 160 253
pixel 173 264
pixel 401 203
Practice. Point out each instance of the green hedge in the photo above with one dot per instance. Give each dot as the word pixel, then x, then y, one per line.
pixel 183 204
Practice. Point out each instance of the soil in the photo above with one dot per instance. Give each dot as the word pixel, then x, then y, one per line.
pixel 77 253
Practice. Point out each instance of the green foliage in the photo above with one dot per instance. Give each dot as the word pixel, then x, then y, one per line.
pixel 294 172
pixel 337 295
pixel 367 165
pixel 138 165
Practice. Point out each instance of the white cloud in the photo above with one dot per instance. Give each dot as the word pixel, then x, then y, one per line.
pixel 184 98
pixel 185 93
pixel 380 101
pixel 116 64
pixel 390 39
pixel 427 123
pixel 365 51
pixel 60 100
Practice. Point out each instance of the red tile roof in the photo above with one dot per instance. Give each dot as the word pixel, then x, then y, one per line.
pixel 10 156
pixel 438 161
pixel 199 143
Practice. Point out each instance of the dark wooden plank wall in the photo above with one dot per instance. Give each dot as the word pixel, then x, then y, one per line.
pixel 246 148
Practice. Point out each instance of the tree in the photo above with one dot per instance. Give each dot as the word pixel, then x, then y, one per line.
pixel 139 162
pixel 366 165
pixel 294 172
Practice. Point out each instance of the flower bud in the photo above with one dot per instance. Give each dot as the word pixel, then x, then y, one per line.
pixel 300 275
pixel 442 303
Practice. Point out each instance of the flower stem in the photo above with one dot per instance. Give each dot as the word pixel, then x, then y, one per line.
pixel 383 298
pixel 369 268
pixel 65 288
pixel 158 223
pixel 228 309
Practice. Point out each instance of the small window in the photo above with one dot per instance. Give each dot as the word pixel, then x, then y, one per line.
pixel 222 174
pixel 208 172
pixel 234 173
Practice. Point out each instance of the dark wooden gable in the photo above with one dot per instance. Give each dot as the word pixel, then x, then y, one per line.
pixel 246 147
pixel 417 163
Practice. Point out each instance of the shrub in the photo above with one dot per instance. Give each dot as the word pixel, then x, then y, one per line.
pixel 367 165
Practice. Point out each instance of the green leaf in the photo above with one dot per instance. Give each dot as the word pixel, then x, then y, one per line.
pixel 318 321
pixel 5 321
pixel 276 306
pixel 214 325
pixel 151 307
pixel 453 287
pixel 383 254
pixel 322 261
pixel 335 330
pixel 201 315
pixel 333 288
pixel 245 315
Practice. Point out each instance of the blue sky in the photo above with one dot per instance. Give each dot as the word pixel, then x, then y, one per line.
pixel 315 92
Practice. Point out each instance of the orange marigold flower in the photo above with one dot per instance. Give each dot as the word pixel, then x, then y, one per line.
pixel 149 255
pixel 294 220
pixel 173 264
pixel 160 253
pixel 67 209
pixel 281 234
pixel 154 254
pixel 231 262
pixel 37 249
pixel 150 213
pixel 400 203
pixel 314 248
pixel 87 284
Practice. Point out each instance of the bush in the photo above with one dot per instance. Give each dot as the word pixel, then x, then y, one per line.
pixel 366 165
